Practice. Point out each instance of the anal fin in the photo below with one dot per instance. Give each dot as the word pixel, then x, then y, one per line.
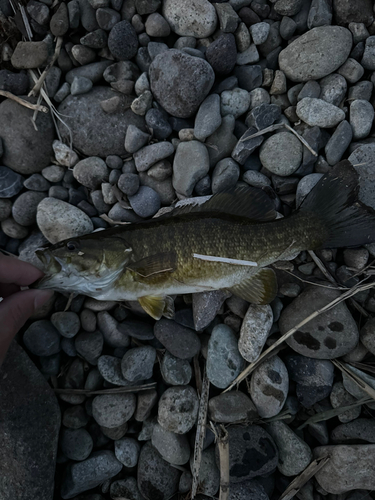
pixel 261 288
pixel 157 306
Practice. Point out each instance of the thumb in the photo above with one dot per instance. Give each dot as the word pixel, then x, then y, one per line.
pixel 14 312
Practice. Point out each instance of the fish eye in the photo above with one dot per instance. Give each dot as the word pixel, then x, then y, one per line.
pixel 72 245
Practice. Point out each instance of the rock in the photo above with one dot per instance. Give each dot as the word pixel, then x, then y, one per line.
pixel 347 12
pixel 76 444
pixel 314 378
pixel 333 89
pixel 332 334
pixel 110 369
pixel 59 220
pixel 304 187
pixel 222 54
pixel 208 118
pixel 174 448
pixel 112 333
pixel 91 172
pixel 252 453
pixel 157 121
pixel 30 55
pixel 178 409
pixel 351 70
pixel 59 24
pixel 259 32
pixel 320 14
pixel 206 305
pixel 180 82
pixel 135 139
pixel 319 112
pixel 113 410
pixel 361 118
pixel 11 183
pixel 225 175
pixel 75 417
pixel 89 346
pixel 96 133
pixel 209 475
pixel 255 329
pixel 363 155
pixel 175 371
pixel 232 407
pixel 246 145
pixel 269 387
pixel 137 329
pixel 281 154
pixel 234 102
pixel 263 116
pixel 82 476
pixel 354 389
pixel 242 491
pixel 149 155
pixel 351 467
pixel 125 488
pixel 362 430
pixel 294 454
pixel 16 83
pixel 224 362
pixel 367 335
pixel 80 85
pixel 146 202
pixel 248 56
pixel 338 143
pixel 26 150
pixel 316 53
pixel 138 363
pixel 28 448
pixel 67 323
pixel 368 55
pixel 340 397
pixel 127 451
pixel 191 163
pixel 196 18
pixel 123 41
pixel 157 479
pixel 42 338
pixel 5 209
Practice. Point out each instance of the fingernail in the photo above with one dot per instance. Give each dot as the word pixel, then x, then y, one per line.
pixel 41 297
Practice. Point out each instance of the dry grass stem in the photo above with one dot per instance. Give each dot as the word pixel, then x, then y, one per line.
pixel 25 21
pixel 198 374
pixel 38 85
pixel 304 142
pixel 270 351
pixel 364 367
pixel 200 435
pixel 345 368
pixel 116 390
pixel 34 107
pixel 322 267
pixel 305 476
pixel 221 437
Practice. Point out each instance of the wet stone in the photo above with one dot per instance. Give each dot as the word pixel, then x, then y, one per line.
pixel 178 409
pixel 232 407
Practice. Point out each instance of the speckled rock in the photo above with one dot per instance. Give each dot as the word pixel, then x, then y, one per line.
pixel 112 410
pixel 209 475
pixel 196 18
pixel 232 407
pixel 191 163
pixel 363 157
pixel 174 448
pixel 179 340
pixel 317 112
pixel 281 153
pixel 255 329
pixel 178 409
pixel 137 363
pixel 175 371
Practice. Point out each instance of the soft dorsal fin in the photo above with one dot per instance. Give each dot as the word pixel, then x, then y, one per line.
pixel 260 289
pixel 241 201
pixel 154 264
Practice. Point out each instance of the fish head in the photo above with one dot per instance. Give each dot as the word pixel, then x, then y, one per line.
pixel 86 265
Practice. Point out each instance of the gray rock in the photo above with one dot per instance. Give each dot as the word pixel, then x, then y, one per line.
pixel 138 363
pixel 180 82
pixel 317 112
pixel 89 473
pixel 320 14
pixel 305 185
pixel 149 155
pixel 30 55
pixel 137 329
pixel 287 27
pixel 178 409
pixel 191 163
pixel 362 430
pixel 333 334
pixel 361 118
pixel 362 90
pixel 146 402
pixel 135 139
pixel 123 41
pixel 174 448
pixel 125 488
pixel 107 18
pixel 11 183
pixel 227 17
pixel 242 491
pixel 76 444
pixel 232 407
pixel 59 24
pixel 281 153
pixel 91 172
pixel 209 475
pixel 36 182
pixel 269 387
pixel 354 388
pixel 42 338
pixel 127 451
pixel 246 145
pixel 369 53
pixel 67 323
pixel 255 328
pixel 196 19
pixel 351 467
pixel 113 410
pixel 27 449
pixel 96 133
pixel 206 305
pixel 16 83
pixel 157 121
pixel 225 175
pixel 259 32
pixel 54 173
pixel 89 346
pixel 316 53
pixel 146 202
pixel 333 89
pixel 367 335
pixel 75 417
pixel 175 371
pixel 5 209
pixel 363 155
pixel 111 331
pixel 224 362
pixel 234 102
pixel 59 220
pixel 248 56
pixel 252 453
pixel 80 85
pixel 351 70
pixel 221 143
pixel 26 150
pixel 263 116
pixel 110 369
pixel 294 454
pixel 156 477
pixel 338 142
pixel 222 54
pixel 208 118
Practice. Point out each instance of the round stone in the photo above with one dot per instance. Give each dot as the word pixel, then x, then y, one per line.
pixel 11 183
pixel 75 417
pixel 42 338
pixel 138 363
pixel 361 118
pixel 255 328
pixel 5 209
pixel 180 82
pixel 76 444
pixel 113 410
pixel 25 207
pixel 91 172
pixel 123 41
pixel 222 54
pixel 196 18
pixel 281 153
pixel 175 371
pixel 180 341
pixel 26 149
pixel 110 369
pixel 59 220
pixel 178 409
pixel 320 113
pixel 66 322
pixel 89 346
pixel 232 407
pixel 174 448
pixel 146 202
pixel 191 163
pixel 127 451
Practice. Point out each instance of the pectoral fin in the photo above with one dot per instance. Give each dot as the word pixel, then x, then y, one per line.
pixel 157 306
pixel 259 289
pixel 154 264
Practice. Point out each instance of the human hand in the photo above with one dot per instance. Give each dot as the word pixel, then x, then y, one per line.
pixel 17 306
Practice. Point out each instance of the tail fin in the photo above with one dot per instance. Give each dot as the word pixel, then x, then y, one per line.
pixel 334 199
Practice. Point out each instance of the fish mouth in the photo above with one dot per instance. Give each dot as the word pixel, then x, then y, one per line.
pixel 51 266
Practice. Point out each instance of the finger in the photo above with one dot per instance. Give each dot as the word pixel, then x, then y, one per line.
pixel 13 270
pixel 7 289
pixel 15 310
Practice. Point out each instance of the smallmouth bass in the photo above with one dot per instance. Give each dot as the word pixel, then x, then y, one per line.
pixel 226 243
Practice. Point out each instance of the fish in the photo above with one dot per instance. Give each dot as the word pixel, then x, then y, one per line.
pixel 226 243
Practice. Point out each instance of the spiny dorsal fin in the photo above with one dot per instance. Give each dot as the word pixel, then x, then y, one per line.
pixel 259 289
pixel 165 262
pixel 157 306
pixel 241 201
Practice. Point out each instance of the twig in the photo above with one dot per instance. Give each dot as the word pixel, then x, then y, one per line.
pixel 305 476
pixel 25 21
pixel 322 267
pixel 269 352
pixel 345 368
pixel 36 89
pixel 304 142
pixel 200 435
pixel 198 374
pixel 363 367
pixel 34 107
pixel 222 440
pixel 116 390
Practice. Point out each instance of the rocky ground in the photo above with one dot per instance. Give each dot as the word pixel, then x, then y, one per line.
pixel 150 102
